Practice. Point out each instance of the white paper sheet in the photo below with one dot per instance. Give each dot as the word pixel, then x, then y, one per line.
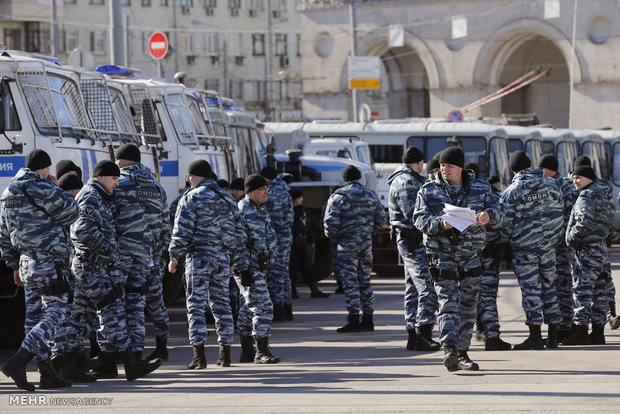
pixel 459 217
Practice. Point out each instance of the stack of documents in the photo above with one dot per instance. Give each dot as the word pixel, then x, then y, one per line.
pixel 459 217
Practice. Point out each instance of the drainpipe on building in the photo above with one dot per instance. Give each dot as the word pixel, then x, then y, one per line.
pixel 354 92
pixel 116 32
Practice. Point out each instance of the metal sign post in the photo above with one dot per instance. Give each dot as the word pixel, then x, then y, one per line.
pixel 158 48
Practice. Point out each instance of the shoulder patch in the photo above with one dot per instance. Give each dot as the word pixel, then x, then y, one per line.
pixel 219 206
pixel 88 210
pixel 13 202
pixel 151 193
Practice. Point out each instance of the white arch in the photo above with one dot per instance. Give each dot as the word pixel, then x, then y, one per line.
pixel 505 41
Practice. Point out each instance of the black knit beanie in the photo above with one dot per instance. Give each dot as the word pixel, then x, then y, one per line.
pixel 128 152
pixel 223 184
pixel 269 172
pixel 432 164
pixel 37 160
pixel 549 162
pixel 296 192
pixel 64 166
pixel 585 171
pixel 452 155
pixel 351 174
pixel 494 179
pixel 106 168
pixel 254 182
pixel 582 160
pixel 70 182
pixel 199 168
pixel 412 155
pixel 237 184
pixel 474 167
pixel 519 161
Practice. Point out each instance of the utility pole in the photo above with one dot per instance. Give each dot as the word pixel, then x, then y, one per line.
pixel 126 42
pixel 116 32
pixel 175 35
pixel 54 29
pixel 267 105
pixel 354 92
pixel 572 69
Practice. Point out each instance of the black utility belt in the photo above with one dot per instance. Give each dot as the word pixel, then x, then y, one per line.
pixel 448 274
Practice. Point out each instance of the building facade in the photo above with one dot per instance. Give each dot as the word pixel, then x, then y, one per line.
pixel 248 50
pixel 455 52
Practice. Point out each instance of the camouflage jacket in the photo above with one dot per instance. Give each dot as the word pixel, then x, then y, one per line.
pixel 36 229
pixel 94 232
pixel 474 194
pixel 133 232
pixel 208 220
pixel 534 206
pixel 590 217
pixel 261 237
pixel 353 212
pixel 173 208
pixel 493 231
pixel 569 195
pixel 280 206
pixel 608 190
pixel 404 185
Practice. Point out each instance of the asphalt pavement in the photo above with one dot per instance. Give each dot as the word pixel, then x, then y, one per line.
pixel 370 372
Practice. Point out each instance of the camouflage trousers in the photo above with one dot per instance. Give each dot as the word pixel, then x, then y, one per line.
pixel 458 302
pixel 58 341
pixel 256 309
pixel 207 277
pixel 487 298
pixel 611 288
pixel 535 271
pixel 155 306
pixel 235 298
pixel 564 258
pixel 420 297
pixel 45 309
pixel 278 277
pixel 590 285
pixel 132 273
pixel 333 251
pixel 355 258
pixel 96 296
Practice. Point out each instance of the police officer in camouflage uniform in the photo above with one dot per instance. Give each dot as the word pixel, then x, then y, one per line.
pixel 280 207
pixel 353 212
pixel 420 297
pixel 256 310
pixel 533 224
pixel 588 228
pixel 454 257
pixel 564 255
pixel 488 316
pixel 35 244
pixel 207 234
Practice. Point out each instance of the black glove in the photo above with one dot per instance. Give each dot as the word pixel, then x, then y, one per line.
pixel 247 278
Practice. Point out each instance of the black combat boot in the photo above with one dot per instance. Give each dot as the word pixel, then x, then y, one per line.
pixel 578 336
pixel 534 341
pixel 15 368
pixel 597 336
pixel 69 369
pixel 161 349
pixel 278 313
pixel 340 289
pixel 451 358
pixel 137 368
pixel 367 325
pixel 200 360
pixel 480 336
pixel 424 339
pixel 614 320
pixel 263 352
pixel 247 349
pixel 563 333
pixel 106 366
pixel 465 363
pixel 288 311
pixel 552 336
pixel 315 292
pixel 49 378
pixel 411 339
pixel 353 324
pixel 496 344
pixel 56 361
pixel 224 358
pixel 95 350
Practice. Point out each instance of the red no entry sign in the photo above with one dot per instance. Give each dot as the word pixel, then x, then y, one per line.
pixel 158 45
